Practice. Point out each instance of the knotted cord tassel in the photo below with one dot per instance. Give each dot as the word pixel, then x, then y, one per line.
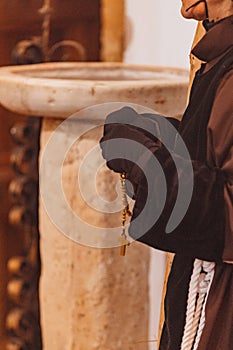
pixel 201 279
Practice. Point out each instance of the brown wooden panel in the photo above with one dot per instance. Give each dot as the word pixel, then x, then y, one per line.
pixel 11 243
pixel 7 121
pixel 3 247
pixel 19 20
pixel 24 13
pixel 84 34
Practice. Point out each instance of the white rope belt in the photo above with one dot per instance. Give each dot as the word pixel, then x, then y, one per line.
pixel 201 279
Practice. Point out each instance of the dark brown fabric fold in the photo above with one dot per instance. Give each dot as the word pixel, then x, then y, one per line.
pixel 218 331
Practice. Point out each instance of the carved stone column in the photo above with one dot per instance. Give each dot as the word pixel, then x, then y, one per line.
pixel 90 298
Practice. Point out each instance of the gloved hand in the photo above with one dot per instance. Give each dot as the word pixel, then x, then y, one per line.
pixel 126 136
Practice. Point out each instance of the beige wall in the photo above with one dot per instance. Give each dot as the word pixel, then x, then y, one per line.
pixel 155 30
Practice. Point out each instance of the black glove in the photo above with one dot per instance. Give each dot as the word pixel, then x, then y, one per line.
pixel 133 139
pixel 125 132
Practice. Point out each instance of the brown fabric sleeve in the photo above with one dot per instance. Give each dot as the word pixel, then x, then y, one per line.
pixel 220 151
pixel 199 234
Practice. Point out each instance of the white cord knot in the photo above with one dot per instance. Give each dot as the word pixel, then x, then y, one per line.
pixel 199 286
pixel 208 266
pixel 203 287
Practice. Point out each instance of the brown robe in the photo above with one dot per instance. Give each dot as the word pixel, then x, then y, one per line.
pixel 213 145
pixel 218 331
pixel 207 129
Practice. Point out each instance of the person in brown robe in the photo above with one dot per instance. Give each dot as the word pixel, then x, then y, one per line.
pixel 205 233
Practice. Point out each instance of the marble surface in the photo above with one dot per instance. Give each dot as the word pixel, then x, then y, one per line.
pixel 61 89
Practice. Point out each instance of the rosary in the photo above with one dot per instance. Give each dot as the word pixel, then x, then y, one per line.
pixel 123 238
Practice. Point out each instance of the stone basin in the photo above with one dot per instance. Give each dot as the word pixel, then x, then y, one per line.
pixel 86 294
pixel 61 89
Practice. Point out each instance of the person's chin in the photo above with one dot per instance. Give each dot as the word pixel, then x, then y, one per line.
pixel 198 12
